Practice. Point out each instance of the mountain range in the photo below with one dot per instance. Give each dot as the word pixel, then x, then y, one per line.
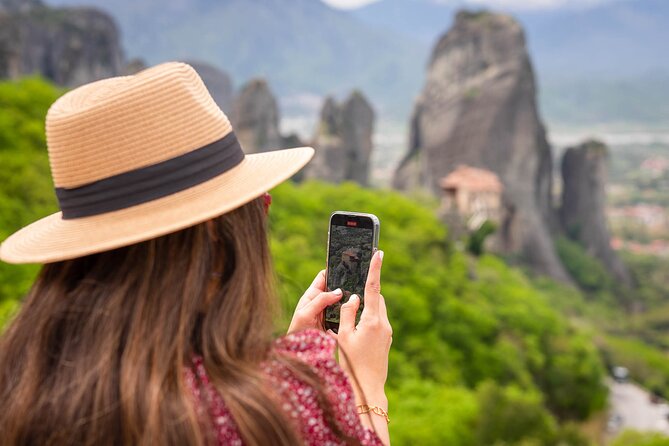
pixel 612 40
pixel 301 46
pixel 305 46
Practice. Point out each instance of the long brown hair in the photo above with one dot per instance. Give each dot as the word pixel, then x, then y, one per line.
pixel 96 354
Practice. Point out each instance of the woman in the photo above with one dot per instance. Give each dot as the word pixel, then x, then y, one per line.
pixel 151 320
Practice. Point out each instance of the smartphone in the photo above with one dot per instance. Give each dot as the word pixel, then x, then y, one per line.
pixel 353 238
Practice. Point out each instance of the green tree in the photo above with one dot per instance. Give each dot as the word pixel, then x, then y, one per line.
pixel 634 438
pixel 510 416
pixel 26 189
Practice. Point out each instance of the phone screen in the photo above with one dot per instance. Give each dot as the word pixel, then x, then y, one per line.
pixel 349 254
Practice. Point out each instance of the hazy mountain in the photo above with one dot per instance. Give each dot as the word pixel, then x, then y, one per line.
pixel 603 64
pixel 422 20
pixel 299 45
pixel 641 100
pixel 611 40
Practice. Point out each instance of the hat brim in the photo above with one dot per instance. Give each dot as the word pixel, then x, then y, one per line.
pixel 52 239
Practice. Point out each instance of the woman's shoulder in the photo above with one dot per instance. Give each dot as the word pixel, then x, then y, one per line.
pixel 317 349
pixel 299 400
pixel 311 346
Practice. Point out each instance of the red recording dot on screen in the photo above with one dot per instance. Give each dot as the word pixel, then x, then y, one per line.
pixel 352 223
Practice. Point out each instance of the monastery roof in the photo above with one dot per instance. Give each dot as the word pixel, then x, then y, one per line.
pixel 473 179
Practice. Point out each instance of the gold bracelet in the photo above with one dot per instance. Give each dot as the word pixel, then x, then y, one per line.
pixel 364 408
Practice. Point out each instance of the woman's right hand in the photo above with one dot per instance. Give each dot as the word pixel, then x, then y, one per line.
pixel 366 346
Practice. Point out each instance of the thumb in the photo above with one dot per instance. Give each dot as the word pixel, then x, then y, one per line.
pixel 318 304
pixel 347 314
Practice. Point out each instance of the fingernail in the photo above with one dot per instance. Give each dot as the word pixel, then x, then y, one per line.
pixel 337 291
pixel 353 296
pixel 381 255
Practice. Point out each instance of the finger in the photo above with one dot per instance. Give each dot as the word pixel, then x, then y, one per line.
pixel 373 285
pixel 383 312
pixel 316 287
pixel 322 300
pixel 383 316
pixel 347 314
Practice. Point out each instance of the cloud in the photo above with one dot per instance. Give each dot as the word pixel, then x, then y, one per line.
pixel 535 4
pixel 516 5
pixel 348 4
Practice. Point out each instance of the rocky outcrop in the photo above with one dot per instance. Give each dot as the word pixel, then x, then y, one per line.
pixel 14 6
pixel 134 66
pixel 69 46
pixel 256 117
pixel 478 108
pixel 582 214
pixel 218 83
pixel 343 140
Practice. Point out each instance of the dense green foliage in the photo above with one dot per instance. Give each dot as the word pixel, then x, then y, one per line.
pixel 476 241
pixel 588 272
pixel 652 280
pixel 633 322
pixel 26 191
pixel 633 438
pixel 646 364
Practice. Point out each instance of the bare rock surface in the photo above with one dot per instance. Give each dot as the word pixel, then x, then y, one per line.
pixel 343 140
pixel 256 117
pixel 69 46
pixel 478 107
pixel 218 83
pixel 583 213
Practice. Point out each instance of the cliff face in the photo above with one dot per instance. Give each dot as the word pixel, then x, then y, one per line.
pixel 256 117
pixel 582 214
pixel 70 46
pixel 343 140
pixel 218 83
pixel 478 108
pixel 18 5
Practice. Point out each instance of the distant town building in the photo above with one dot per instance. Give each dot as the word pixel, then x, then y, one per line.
pixel 473 194
pixel 656 166
pixel 658 248
pixel 652 217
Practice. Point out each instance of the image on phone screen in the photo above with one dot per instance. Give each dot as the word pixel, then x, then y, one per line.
pixel 349 254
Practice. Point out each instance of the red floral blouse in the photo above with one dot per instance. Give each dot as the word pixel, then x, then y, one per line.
pixel 314 348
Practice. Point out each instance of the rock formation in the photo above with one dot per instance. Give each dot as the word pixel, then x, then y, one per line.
pixel 70 46
pixel 134 66
pixel 218 83
pixel 343 141
pixel 478 107
pixel 582 214
pixel 256 117
pixel 14 6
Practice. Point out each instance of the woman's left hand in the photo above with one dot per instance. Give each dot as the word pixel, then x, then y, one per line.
pixel 309 311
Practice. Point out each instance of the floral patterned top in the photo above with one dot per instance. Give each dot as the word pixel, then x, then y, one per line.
pixel 314 348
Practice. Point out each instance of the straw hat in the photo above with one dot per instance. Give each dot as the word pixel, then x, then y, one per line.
pixel 137 157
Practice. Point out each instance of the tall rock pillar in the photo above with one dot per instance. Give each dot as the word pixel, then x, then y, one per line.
pixel 478 108
pixel 343 141
pixel 582 214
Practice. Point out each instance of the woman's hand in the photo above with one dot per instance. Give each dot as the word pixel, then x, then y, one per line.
pixel 363 350
pixel 309 311
pixel 366 347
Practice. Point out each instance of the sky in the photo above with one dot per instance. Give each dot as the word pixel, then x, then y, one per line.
pixel 500 4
